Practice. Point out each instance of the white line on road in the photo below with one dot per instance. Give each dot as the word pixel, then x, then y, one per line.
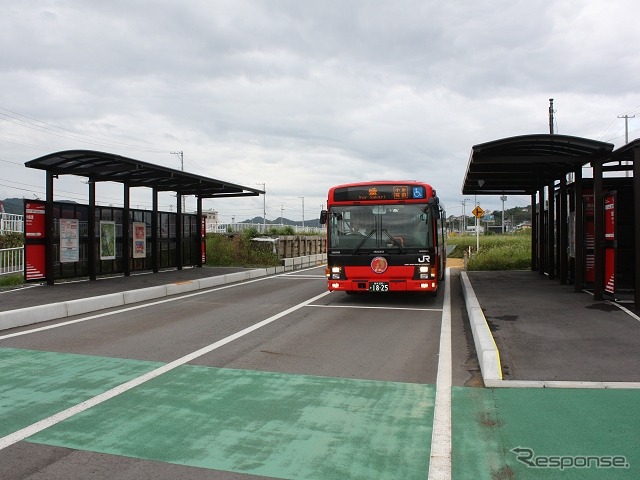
pixel 26 432
pixel 440 461
pixel 298 277
pixel 378 308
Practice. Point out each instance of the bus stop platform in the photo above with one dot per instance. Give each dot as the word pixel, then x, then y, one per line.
pixel 538 333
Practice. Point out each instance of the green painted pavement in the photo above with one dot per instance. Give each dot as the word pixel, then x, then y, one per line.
pixel 488 423
pixel 262 423
pixel 305 427
pixel 35 385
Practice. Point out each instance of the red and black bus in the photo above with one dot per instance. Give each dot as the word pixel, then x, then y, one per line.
pixel 384 236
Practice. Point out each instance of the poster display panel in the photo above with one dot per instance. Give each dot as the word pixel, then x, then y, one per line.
pixel 139 240
pixel 69 240
pixel 107 240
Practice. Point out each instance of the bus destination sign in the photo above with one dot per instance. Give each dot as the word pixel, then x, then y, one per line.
pixel 379 192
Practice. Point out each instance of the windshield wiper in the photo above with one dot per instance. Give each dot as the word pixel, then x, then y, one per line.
pixel 357 247
pixel 394 241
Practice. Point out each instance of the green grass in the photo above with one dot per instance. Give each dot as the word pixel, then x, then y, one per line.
pixel 497 252
pixel 11 280
pixel 238 251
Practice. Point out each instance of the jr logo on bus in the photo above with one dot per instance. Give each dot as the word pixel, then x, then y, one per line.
pixel 424 259
pixel 379 265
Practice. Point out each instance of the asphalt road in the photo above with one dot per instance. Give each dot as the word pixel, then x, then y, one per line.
pixel 273 377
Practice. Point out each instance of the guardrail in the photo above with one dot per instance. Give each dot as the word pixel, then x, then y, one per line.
pixel 11 223
pixel 261 228
pixel 11 260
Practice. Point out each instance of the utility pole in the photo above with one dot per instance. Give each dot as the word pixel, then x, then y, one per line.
pixel 551 121
pixel 626 126
pixel 264 207
pixel 302 212
pixel 180 154
pixel 626 133
pixel 503 198
pixel 464 216
pixel 281 215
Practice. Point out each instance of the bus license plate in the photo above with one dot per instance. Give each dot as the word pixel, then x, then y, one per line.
pixel 378 286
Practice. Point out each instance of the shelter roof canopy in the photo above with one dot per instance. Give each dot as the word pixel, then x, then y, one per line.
pixel 107 167
pixel 523 164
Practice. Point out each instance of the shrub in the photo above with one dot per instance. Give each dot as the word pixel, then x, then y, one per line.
pixel 238 251
pixel 11 240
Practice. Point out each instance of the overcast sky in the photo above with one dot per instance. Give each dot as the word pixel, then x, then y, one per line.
pixel 302 95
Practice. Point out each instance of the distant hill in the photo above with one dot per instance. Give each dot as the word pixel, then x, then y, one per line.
pixel 312 222
pixel 14 205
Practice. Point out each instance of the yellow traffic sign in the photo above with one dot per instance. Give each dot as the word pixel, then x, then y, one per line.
pixel 478 212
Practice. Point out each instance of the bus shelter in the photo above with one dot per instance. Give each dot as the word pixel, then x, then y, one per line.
pixel 584 229
pixel 67 240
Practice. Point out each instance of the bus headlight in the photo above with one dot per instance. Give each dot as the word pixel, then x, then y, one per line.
pixel 423 272
pixel 336 273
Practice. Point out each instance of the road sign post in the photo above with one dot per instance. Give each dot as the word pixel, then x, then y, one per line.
pixel 478 213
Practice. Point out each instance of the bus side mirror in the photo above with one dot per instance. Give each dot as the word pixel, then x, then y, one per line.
pixel 323 217
pixel 434 203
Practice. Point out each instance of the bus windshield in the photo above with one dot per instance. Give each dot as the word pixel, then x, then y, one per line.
pixel 369 227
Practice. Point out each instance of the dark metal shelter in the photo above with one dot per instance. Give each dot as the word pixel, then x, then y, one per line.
pixel 550 167
pixel 106 167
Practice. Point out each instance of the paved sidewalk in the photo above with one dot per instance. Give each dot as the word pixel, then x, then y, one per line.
pixel 545 331
pixel 41 303
pixel 40 294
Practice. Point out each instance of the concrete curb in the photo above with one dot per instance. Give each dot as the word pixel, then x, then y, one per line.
pixel 488 355
pixel 561 384
pixel 55 311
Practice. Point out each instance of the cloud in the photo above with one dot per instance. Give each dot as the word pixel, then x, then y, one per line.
pixel 304 95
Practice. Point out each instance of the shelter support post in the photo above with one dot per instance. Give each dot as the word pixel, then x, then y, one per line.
pixel 154 233
pixel 91 229
pixel 541 231
pixel 179 223
pixel 580 260
pixel 126 232
pixel 551 223
pixel 534 234
pixel 201 233
pixel 598 231
pixel 563 234
pixel 49 231
pixel 636 215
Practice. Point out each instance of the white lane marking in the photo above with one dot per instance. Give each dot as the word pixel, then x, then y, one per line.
pixel 378 308
pixel 136 307
pixel 26 432
pixel 296 277
pixel 440 461
pixel 624 309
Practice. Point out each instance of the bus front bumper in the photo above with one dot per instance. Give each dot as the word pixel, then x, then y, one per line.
pixel 381 287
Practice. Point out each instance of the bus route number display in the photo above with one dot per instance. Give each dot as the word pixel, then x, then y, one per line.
pixel 379 192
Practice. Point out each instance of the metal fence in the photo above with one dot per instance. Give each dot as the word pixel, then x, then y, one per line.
pixel 11 223
pixel 11 260
pixel 261 228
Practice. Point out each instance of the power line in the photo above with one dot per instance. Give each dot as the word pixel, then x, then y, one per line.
pixel 62 132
